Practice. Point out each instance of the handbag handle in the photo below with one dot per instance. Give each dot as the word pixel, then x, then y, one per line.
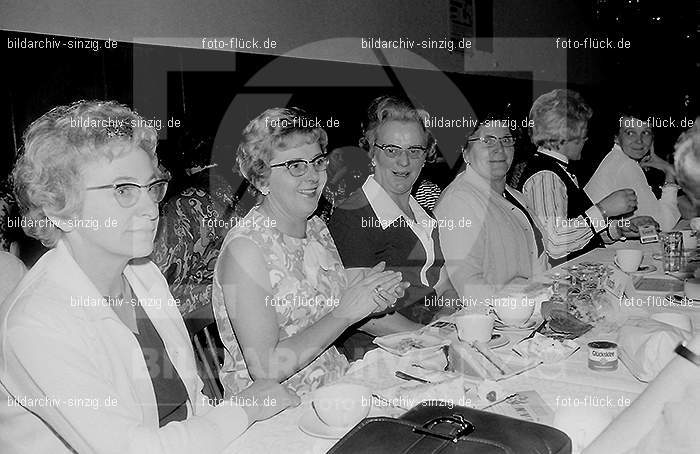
pixel 464 427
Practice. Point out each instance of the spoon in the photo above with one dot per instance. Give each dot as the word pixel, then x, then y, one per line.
pixel 405 376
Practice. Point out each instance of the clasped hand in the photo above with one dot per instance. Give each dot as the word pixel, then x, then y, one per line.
pixel 376 291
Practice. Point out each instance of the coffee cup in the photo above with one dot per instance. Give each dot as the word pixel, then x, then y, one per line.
pixel 690 240
pixel 474 327
pixel 342 404
pixel 695 224
pixel 515 309
pixel 628 260
pixel 691 287
pixel 681 321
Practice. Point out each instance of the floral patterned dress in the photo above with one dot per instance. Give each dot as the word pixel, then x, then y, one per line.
pixel 307 279
pixel 6 205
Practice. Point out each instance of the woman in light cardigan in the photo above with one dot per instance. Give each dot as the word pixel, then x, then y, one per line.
pixel 488 237
pixel 622 168
pixel 663 419
pixel 94 355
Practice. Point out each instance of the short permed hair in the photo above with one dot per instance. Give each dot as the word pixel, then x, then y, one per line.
pixel 391 108
pixel 48 174
pixel 558 116
pixel 633 111
pixel 276 129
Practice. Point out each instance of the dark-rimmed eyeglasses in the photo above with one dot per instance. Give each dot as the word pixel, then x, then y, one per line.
pixel 128 194
pixel 299 167
pixel 492 141
pixel 394 151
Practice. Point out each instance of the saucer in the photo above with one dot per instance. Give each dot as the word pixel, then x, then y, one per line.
pixel 310 424
pixel 408 342
pixel 500 326
pixel 497 340
pixel 644 269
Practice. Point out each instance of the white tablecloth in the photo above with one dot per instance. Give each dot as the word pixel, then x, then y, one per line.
pixel 569 383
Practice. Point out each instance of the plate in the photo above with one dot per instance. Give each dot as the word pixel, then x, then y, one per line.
pixel 546 349
pixel 497 340
pixel 402 344
pixel 310 424
pixel 500 326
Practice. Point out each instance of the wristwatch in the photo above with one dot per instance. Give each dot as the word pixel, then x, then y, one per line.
pixel 688 354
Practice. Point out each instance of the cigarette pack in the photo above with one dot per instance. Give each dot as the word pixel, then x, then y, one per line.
pixel 647 234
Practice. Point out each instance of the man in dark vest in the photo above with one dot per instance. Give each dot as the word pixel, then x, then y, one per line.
pixel 574 225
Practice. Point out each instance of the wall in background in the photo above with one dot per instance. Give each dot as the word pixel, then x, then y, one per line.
pixel 296 24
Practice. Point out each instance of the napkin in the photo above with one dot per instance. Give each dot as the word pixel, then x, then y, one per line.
pixel 479 363
pixel 545 349
pixel 454 391
pixel 646 345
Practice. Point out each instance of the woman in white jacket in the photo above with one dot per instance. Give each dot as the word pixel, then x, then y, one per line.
pixel 633 150
pixel 94 356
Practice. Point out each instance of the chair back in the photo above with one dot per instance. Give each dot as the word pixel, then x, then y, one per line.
pixel 208 348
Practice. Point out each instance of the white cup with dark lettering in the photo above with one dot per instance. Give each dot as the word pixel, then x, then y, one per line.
pixel 628 260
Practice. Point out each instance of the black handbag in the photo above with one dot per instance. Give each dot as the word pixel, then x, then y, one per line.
pixel 437 429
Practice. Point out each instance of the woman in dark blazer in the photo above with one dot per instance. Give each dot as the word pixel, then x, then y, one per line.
pixel 381 221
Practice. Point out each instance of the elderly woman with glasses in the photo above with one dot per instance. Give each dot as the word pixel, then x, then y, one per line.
pixel 94 355
pixel 573 224
pixel 622 167
pixel 382 221
pixel 281 294
pixel 489 238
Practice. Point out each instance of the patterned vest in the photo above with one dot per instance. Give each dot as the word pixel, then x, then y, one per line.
pixel 578 201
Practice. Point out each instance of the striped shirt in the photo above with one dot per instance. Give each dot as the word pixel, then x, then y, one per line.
pixel 427 194
pixel 547 198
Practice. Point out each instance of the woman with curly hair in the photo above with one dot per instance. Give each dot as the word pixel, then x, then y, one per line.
pixel 281 295
pixel 381 221
pixel 94 355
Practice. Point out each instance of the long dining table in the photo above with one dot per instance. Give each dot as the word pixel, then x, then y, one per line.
pixel 562 384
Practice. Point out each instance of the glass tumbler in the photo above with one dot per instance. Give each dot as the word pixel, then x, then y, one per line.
pixel 672 251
